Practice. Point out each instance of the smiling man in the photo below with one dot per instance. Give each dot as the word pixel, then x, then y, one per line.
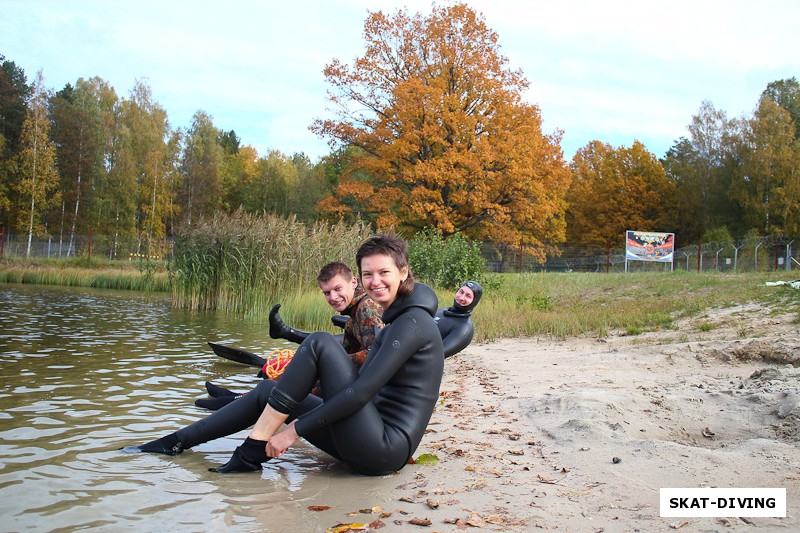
pixel 344 294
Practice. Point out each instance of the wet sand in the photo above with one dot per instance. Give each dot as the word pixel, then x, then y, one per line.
pixel 579 435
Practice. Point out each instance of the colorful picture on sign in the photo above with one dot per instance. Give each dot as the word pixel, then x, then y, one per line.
pixel 649 246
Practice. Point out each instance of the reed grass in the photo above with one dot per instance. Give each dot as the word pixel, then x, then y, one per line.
pixel 243 263
pixel 116 275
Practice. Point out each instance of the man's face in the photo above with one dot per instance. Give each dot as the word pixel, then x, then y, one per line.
pixel 464 296
pixel 339 291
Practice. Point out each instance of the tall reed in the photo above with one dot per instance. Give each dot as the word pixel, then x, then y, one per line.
pixel 242 262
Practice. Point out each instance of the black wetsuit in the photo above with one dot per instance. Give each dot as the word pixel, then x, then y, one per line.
pixel 455 323
pixel 456 330
pixel 374 419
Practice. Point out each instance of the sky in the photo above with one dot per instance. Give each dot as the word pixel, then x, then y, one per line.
pixel 609 70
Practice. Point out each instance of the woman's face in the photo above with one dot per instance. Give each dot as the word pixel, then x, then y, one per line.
pixel 381 278
pixel 464 296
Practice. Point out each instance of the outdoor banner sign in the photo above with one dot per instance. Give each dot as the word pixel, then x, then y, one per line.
pixel 649 246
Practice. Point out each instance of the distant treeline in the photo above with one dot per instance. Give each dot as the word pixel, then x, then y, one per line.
pixel 455 150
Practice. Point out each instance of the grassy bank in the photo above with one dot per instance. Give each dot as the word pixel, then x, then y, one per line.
pixel 553 304
pixel 564 305
pixel 82 272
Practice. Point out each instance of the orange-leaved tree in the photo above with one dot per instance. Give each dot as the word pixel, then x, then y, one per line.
pixel 439 136
pixel 615 190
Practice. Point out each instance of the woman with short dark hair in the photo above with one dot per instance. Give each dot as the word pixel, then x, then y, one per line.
pixel 372 420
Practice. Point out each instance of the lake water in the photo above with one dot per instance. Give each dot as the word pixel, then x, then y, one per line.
pixel 85 372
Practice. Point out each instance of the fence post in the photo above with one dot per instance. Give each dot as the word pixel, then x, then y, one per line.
pixel 755 258
pixel 700 256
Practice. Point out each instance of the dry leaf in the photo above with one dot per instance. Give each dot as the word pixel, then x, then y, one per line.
pixel 678 525
pixel 433 504
pixel 318 507
pixel 475 520
pixel 420 522
pixel 342 528
pixel 377 524
pixel 547 480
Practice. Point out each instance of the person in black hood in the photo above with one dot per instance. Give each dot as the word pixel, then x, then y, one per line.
pixel 372 420
pixel 455 322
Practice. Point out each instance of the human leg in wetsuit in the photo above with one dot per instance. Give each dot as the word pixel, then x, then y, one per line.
pixel 362 439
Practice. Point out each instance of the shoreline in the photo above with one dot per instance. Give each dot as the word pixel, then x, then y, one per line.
pixel 580 435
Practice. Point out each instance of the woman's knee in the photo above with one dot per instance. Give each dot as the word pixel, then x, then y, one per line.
pixel 316 342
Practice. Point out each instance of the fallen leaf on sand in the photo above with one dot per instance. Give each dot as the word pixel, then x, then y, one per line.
pixel 707 433
pixel 318 507
pixel 420 522
pixel 433 504
pixel 342 528
pixel 475 520
pixel 549 481
pixel 678 525
pixel 426 459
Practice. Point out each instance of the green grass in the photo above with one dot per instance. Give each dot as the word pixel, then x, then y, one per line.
pixel 83 272
pixel 597 304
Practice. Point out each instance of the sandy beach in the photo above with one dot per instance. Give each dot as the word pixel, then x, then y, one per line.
pixel 579 435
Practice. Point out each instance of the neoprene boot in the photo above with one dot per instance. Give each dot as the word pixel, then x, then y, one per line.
pixel 215 391
pixel 279 330
pixel 213 404
pixel 246 458
pixel 168 445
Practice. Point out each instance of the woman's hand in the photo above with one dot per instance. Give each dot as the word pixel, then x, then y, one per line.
pixel 281 441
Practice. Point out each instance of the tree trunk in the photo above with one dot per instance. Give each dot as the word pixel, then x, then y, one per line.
pixel 33 191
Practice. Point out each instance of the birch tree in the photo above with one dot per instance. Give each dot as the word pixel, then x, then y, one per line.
pixel 38 183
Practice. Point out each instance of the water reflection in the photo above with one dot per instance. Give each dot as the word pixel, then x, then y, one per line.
pixel 85 372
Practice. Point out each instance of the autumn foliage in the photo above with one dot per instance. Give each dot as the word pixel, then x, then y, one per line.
pixel 614 190
pixel 439 135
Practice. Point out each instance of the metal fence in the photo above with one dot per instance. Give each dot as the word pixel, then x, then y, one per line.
pixel 760 254
pixel 105 246
pixel 749 255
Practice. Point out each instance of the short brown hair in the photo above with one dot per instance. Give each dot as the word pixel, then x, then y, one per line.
pixel 393 246
pixel 331 270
